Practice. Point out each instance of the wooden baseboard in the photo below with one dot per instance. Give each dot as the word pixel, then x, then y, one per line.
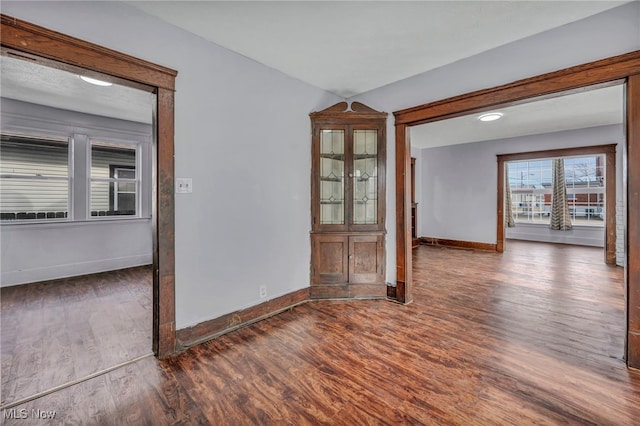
pixel 470 245
pixel 207 330
pixel 348 291
pixel 391 291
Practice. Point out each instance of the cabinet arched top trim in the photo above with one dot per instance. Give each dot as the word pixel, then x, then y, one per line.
pixel 342 110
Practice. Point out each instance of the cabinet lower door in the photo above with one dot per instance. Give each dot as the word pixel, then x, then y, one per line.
pixel 330 259
pixel 365 259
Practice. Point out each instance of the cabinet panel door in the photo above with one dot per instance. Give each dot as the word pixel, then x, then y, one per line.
pixel 366 255
pixel 330 259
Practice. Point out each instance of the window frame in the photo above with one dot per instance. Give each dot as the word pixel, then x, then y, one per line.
pixel 27 120
pixel 139 152
pixel 609 150
pixel 572 191
pixel 69 178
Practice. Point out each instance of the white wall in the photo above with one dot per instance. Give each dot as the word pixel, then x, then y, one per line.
pixel 38 251
pixel 242 132
pixel 459 186
pixel 610 33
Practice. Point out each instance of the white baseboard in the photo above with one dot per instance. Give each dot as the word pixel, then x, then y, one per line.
pixel 9 278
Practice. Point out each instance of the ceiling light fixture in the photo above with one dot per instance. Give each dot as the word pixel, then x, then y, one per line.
pixel 95 81
pixel 490 116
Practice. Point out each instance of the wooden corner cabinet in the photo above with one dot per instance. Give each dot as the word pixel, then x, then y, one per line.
pixel 348 202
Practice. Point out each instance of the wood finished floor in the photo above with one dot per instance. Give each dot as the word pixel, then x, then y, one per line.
pixel 59 331
pixel 532 336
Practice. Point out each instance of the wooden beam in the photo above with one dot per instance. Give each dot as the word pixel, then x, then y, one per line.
pixel 573 78
pixel 403 212
pixel 45 43
pixel 633 220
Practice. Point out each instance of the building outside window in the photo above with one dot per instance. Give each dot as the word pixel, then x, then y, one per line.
pixel 37 179
pixel 114 185
pixel 34 178
pixel 531 188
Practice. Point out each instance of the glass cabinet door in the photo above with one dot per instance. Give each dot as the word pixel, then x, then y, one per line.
pixel 332 169
pixel 365 177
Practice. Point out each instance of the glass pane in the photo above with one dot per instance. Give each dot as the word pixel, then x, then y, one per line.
pixel 26 192
pixel 587 208
pixel 33 198
pixel 113 161
pixel 127 187
pixel 332 177
pixel 125 173
pixel 365 177
pixel 531 189
pixel 106 200
pixel 109 159
pixel 22 156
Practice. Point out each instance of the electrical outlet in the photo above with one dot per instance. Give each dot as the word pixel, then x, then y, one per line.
pixel 184 186
pixel 263 291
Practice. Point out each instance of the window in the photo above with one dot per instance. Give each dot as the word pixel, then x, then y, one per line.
pixel 531 188
pixel 114 184
pixel 34 178
pixel 73 179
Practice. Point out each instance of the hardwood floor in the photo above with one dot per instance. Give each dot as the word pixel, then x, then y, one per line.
pixel 531 336
pixel 59 331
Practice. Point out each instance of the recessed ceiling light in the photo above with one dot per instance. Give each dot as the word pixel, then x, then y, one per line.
pixel 95 81
pixel 490 116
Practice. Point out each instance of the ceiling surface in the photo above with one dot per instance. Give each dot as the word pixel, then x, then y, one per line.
pixel 349 47
pixel 598 107
pixel 30 82
pixel 346 48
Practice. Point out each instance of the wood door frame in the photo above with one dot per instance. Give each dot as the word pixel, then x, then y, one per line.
pixel 609 151
pixel 46 46
pixel 581 77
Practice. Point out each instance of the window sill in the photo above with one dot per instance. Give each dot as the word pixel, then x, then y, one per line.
pixel 546 225
pixel 35 224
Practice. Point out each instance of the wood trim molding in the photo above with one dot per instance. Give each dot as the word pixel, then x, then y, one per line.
pixel 578 77
pixel 208 330
pixel 500 207
pixel 52 46
pixel 469 245
pixel 608 150
pixel 633 220
pixel 403 215
pixel 45 43
pixel 582 77
pixel 563 152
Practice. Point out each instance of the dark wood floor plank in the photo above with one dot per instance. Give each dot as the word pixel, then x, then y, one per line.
pixel 58 331
pixel 531 336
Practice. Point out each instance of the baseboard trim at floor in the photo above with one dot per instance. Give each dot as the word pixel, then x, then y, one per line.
pixel 472 245
pixel 208 330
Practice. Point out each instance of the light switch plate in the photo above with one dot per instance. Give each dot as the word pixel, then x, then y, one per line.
pixel 184 186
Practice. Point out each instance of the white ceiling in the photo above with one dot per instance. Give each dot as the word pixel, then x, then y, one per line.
pixel 343 47
pixel 30 82
pixel 591 108
pixel 349 47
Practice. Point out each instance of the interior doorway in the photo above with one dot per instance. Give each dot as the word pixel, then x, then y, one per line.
pixel 40 44
pixel 608 71
pixel 591 202
pixel 77 238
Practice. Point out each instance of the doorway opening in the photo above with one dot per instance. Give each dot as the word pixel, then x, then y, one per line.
pixel 76 239
pixel 604 72
pixel 527 192
pixel 41 45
